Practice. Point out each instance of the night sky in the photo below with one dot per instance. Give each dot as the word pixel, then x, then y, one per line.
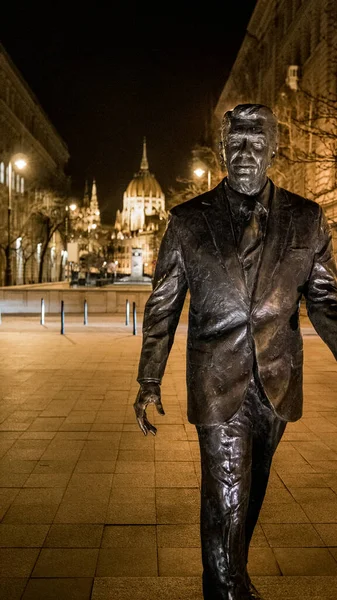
pixel 107 79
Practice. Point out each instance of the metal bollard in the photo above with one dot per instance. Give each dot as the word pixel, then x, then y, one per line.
pixel 42 312
pixel 127 312
pixel 134 314
pixel 85 320
pixel 62 317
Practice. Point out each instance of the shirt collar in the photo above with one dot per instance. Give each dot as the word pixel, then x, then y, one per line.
pixel 236 199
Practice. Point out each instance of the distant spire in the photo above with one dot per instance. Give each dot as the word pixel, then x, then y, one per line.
pixel 94 192
pixel 94 206
pixel 86 201
pixel 144 165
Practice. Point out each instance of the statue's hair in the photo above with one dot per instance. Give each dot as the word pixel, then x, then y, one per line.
pixel 242 111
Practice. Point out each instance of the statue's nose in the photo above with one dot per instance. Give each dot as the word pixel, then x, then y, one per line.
pixel 246 147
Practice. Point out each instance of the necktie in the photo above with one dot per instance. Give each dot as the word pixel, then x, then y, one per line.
pixel 252 213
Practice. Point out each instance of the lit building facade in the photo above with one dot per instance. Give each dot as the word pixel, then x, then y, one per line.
pixel 288 61
pixel 85 223
pixel 39 192
pixel 141 222
pixel 90 215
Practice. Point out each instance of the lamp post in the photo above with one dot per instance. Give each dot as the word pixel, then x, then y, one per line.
pixel 199 172
pixel 72 208
pixel 20 164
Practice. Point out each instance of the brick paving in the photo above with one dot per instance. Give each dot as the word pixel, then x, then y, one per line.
pixel 90 509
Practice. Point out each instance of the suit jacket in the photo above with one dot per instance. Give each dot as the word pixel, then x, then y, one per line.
pixel 227 326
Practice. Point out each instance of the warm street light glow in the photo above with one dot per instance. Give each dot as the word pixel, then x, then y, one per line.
pixel 199 172
pixel 93 226
pixel 73 206
pixel 20 163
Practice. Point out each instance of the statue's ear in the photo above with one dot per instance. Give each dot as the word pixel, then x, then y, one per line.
pixel 272 157
pixel 222 154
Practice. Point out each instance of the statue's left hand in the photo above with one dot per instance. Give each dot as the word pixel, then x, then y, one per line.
pixel 149 393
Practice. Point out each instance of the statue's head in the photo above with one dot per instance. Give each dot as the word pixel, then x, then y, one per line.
pixel 248 144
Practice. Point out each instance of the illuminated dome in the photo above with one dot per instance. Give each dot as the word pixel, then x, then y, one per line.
pixel 144 184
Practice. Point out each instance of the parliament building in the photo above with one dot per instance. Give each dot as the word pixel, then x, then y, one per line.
pixel 141 222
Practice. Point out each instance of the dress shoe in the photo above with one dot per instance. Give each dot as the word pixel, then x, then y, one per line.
pixel 244 594
pixel 253 593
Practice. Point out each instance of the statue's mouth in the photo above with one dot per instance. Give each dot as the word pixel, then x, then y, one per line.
pixel 244 169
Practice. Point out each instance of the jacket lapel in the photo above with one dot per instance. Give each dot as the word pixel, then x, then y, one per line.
pixel 275 242
pixel 218 219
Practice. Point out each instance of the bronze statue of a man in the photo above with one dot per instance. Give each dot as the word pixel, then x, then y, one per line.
pixel 247 251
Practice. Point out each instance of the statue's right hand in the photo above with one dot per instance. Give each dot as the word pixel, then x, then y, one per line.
pixel 149 393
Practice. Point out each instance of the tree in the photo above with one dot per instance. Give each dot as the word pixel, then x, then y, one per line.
pixel 20 229
pixel 308 138
pixel 27 249
pixel 204 158
pixel 307 113
pixel 50 213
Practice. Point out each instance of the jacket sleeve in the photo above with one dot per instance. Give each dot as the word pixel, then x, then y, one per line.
pixel 164 306
pixel 321 289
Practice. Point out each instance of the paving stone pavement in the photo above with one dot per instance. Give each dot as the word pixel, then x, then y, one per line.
pixel 90 509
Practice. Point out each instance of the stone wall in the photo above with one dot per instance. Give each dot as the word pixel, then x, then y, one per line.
pixel 106 300
pixel 27 300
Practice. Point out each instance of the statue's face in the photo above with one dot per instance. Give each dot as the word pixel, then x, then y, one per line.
pixel 249 149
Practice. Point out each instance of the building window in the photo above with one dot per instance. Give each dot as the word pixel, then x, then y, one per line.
pixel 2 172
pixel 7 176
pixel 17 182
pixel 22 185
pixel 38 253
pixel 13 180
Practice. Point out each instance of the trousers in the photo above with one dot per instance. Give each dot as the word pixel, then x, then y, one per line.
pixel 236 458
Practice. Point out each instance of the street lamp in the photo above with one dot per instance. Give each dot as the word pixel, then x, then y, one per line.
pixel 72 207
pixel 199 172
pixel 20 163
